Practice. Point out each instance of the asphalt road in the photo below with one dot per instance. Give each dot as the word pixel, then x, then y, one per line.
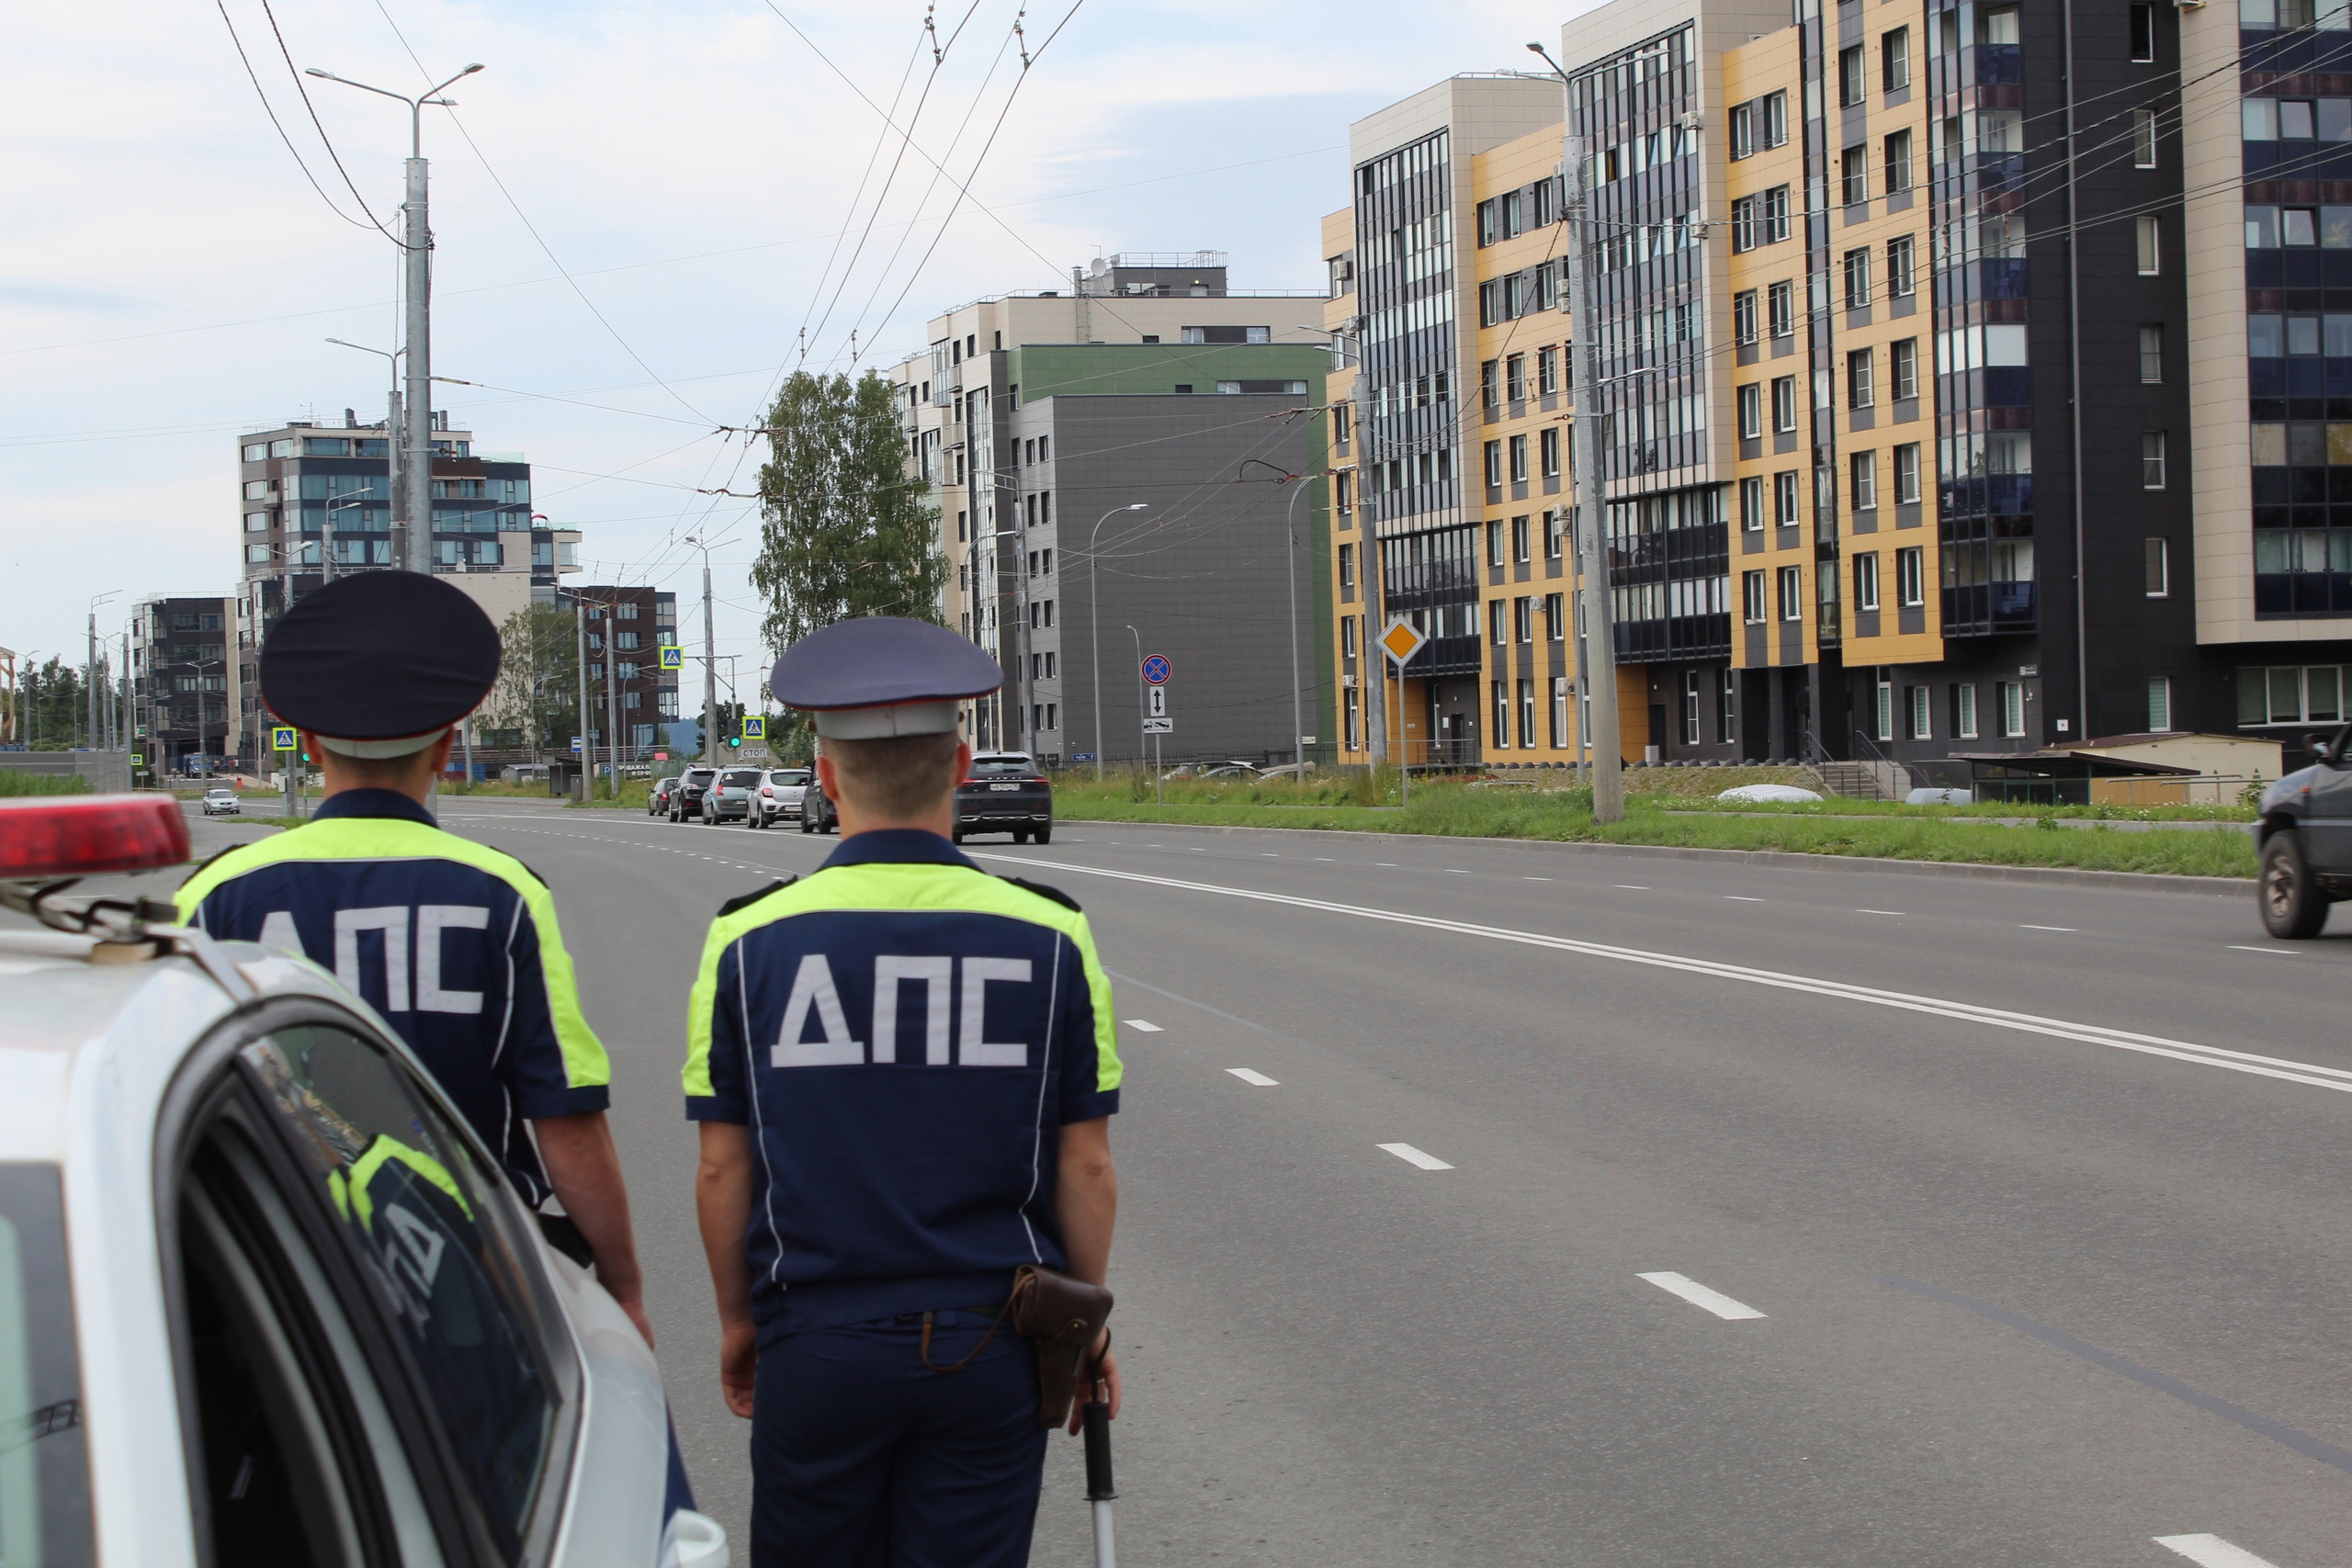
pixel 2023 1200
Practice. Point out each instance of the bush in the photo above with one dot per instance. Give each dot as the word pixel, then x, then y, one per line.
pixel 16 782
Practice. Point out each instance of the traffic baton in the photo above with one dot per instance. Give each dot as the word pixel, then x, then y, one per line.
pixel 1096 1423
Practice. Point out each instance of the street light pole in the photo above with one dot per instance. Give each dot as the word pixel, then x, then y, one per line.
pixel 1094 621
pixel 417 244
pixel 392 430
pixel 1290 572
pixel 1591 501
pixel 1158 781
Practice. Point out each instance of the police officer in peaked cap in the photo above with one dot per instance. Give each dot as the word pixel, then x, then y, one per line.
pixel 904 1069
pixel 453 942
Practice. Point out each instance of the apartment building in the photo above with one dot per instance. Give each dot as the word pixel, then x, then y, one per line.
pixel 316 498
pixel 190 712
pixel 627 629
pixel 957 400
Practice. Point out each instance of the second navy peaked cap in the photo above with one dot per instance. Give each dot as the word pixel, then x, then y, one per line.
pixel 882 675
pixel 379 663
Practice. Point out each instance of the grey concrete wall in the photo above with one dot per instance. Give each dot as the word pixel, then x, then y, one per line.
pixel 1199 576
pixel 108 771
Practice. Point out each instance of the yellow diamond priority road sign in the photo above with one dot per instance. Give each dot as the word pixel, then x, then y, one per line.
pixel 1402 640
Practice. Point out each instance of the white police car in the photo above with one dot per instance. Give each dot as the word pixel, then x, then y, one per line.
pixel 264 1297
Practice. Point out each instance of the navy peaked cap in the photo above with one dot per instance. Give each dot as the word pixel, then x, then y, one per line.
pixel 882 661
pixel 380 656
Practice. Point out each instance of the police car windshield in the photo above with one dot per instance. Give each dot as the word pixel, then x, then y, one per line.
pixel 41 1396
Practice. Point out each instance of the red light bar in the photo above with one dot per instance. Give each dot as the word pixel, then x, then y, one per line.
pixel 80 835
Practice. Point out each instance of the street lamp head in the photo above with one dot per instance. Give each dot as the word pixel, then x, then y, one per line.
pixel 314 71
pixel 1138 506
pixel 1534 49
pixel 469 70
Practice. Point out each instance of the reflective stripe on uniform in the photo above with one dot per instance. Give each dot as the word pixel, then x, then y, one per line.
pixel 392 838
pixel 896 887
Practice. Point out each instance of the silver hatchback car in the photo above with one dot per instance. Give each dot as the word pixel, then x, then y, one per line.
pixel 731 796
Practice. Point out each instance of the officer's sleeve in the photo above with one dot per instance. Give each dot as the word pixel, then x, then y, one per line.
pixel 716 1030
pixel 550 1061
pixel 1089 1046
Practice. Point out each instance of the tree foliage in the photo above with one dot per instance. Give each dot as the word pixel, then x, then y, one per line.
pixel 845 532
pixel 52 707
pixel 537 698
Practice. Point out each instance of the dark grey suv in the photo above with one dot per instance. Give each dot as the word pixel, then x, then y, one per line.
pixel 685 800
pixel 729 799
pixel 2306 840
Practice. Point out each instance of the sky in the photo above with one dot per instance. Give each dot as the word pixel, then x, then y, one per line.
pixel 643 215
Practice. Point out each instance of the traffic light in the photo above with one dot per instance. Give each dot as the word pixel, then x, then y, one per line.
pixel 733 741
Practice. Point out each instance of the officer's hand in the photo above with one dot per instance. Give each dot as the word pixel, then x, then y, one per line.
pixel 635 1307
pixel 738 1365
pixel 1107 1385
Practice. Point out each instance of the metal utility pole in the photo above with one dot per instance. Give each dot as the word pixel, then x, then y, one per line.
pixel 709 670
pixel 1290 572
pixel 1589 492
pixel 612 710
pixel 90 681
pixel 392 442
pixel 416 243
pixel 1094 619
pixel 587 742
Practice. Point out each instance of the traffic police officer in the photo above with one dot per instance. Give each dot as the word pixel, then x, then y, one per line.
pixel 453 942
pixel 904 1069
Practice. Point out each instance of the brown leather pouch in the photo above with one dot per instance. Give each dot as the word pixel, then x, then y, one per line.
pixel 1063 1318
pixel 1060 1316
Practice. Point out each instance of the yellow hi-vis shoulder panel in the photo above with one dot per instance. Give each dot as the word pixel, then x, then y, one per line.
pixel 395 838
pixel 897 887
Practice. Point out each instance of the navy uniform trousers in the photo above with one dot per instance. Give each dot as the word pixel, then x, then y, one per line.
pixel 862 1457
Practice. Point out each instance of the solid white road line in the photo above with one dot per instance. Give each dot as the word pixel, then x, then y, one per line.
pixel 2311 1073
pixel 1878 911
pixel 1140 1027
pixel 1632 887
pixel 2271 952
pixel 1389 864
pixel 1251 1076
pixel 2211 1552
pixel 1697 1294
pixel 1412 1156
pixel 1535 879
pixel 2027 928
pixel 1742 898
pixel 1455 870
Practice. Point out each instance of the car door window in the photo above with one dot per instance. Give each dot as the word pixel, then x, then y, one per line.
pixel 44 1463
pixel 446 1246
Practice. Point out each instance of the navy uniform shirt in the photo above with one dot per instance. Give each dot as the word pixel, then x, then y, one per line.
pixel 453 942
pixel 906 1036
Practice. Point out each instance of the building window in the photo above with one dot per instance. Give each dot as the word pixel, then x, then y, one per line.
pixel 1743 224
pixel 1556 617
pixel 1776 119
pixel 1494 453
pixel 1963 711
pixel 1742 135
pixel 2150 251
pixel 1523 618
pixel 2144 32
pixel 1894 60
pixel 1547 371
pixel 1519 460
pixel 2152 352
pixel 1348 643
pixel 1556 526
pixel 1743 317
pixel 1527 714
pixel 1861 391
pixel 1899 257
pixel 1906 474
pixel 1690 719
pixel 1853 77
pixel 1751 597
pixel 1923 725
pixel 1910 577
pixel 1515 377
pixel 2159 567
pixel 2143 139
pixel 1751 504
pixel 1858 279
pixel 1898 162
pixel 2012 699
pixel 1548 449
pixel 1751 411
pixel 1792 593
pixel 1854 174
pixel 1559 712
pixel 1866 581
pixel 1502 716
pixel 1518 540
pixel 1907 368
pixel 2159 703
pixel 1346 569
pixel 1784 404
pixel 1490 397
pixel 1495 624
pixel 1773 220
pixel 1784 499
pixel 1494 542
pixel 1726 708
pixel 1883 709
pixel 1781 302
pixel 1863 470
pixel 2151 459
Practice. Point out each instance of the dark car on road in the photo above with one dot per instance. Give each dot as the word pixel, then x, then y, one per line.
pixel 686 801
pixel 657 800
pixel 817 808
pixel 1004 793
pixel 2305 837
pixel 729 799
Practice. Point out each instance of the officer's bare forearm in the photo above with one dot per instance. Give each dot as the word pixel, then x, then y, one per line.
pixel 723 1209
pixel 1086 1198
pixel 584 1168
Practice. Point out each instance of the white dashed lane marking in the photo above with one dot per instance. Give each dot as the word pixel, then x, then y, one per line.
pixel 1252 1077
pixel 2271 952
pixel 2032 928
pixel 1878 911
pixel 1141 1027
pixel 1412 1156
pixel 1698 1295
pixel 1630 888
pixel 1741 898
pixel 2211 1552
